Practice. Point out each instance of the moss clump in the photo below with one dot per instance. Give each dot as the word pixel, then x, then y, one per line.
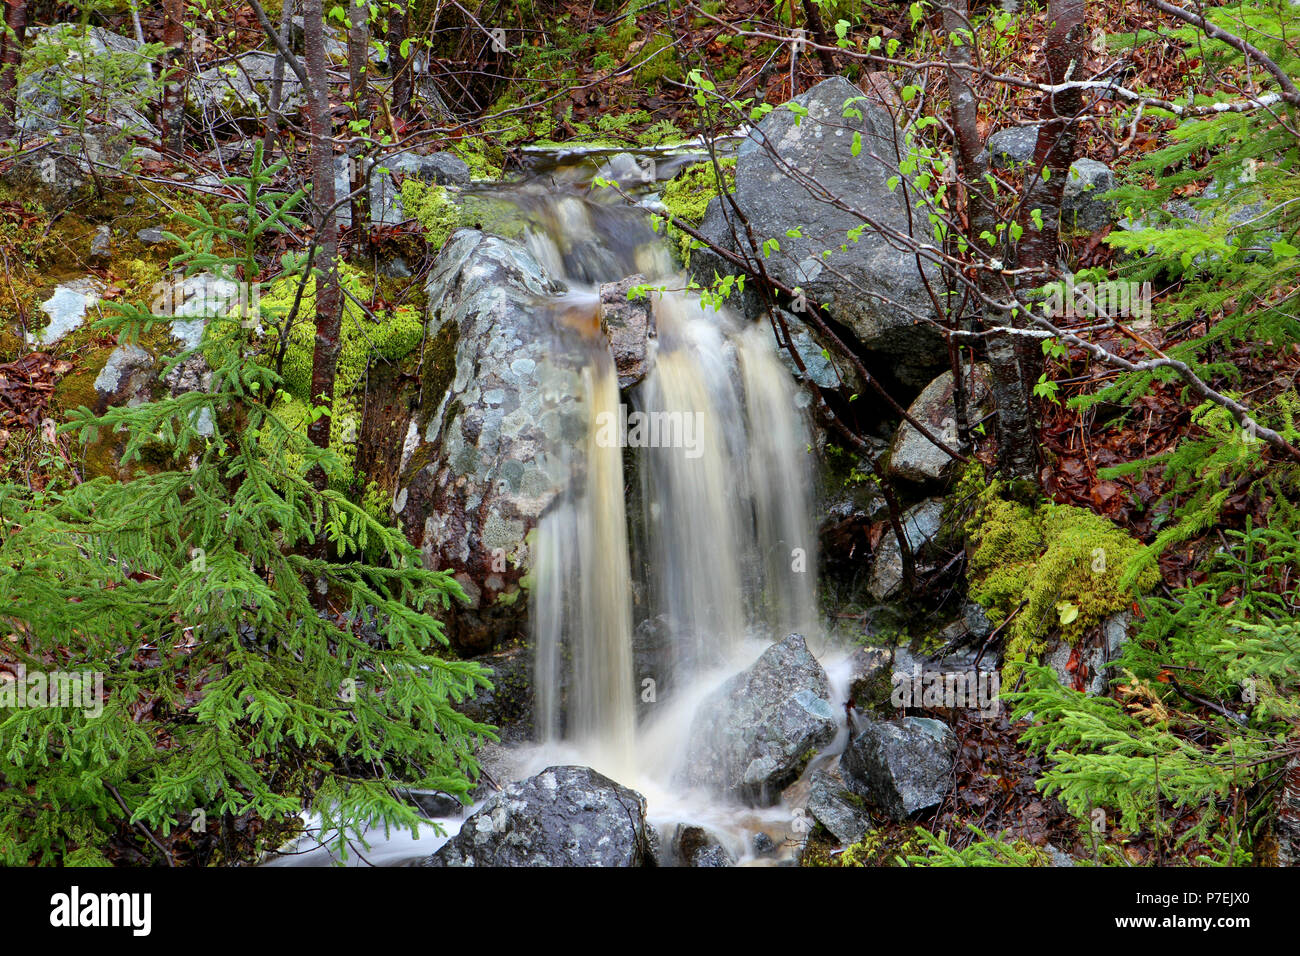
pixel 439 366
pixel 1064 563
pixel 483 157
pixel 433 207
pixel 887 846
pixel 687 197
pixel 394 336
pixel 657 62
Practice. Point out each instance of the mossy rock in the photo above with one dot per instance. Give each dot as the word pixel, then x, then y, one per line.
pixel 1064 563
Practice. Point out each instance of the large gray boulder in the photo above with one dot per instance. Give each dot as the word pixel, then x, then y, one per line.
pixel 753 736
pixel 241 88
pixel 1082 204
pixel 484 454
pixel 563 816
pixel 873 285
pixel 901 766
pixel 388 172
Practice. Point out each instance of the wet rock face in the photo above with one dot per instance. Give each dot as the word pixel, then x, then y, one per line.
pixel 901 766
pixel 508 706
pixel 563 816
pixel 753 736
pixel 841 811
pixel 482 460
pixel 922 524
pixel 871 287
pixel 629 326
pixel 696 846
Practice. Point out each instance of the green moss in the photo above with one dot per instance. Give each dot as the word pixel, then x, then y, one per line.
pixel 1064 563
pixel 439 366
pixel 483 157
pixel 657 62
pixel 434 209
pixel 886 846
pixel 361 341
pixel 687 197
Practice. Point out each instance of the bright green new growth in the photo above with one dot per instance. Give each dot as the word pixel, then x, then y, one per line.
pixel 687 197
pixel 389 336
pixel 1066 564
pixel 433 208
pixel 237 680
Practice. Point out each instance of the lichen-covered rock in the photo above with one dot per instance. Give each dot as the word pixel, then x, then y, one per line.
pixel 755 733
pixel 484 456
pixel 127 378
pixel 901 766
pixel 913 456
pixel 841 811
pixel 112 81
pixel 563 816
pixel 67 307
pixel 869 285
pixel 629 326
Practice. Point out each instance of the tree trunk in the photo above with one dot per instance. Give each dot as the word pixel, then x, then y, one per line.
pixel 1053 153
pixel 273 118
pixel 328 296
pixel 10 60
pixel 1017 437
pixel 818 31
pixel 399 65
pixel 358 81
pixel 173 106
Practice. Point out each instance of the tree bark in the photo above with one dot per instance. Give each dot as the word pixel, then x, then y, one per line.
pixel 1017 435
pixel 273 118
pixel 10 61
pixel 173 106
pixel 328 316
pixel 399 65
pixel 1058 132
pixel 359 83
pixel 818 30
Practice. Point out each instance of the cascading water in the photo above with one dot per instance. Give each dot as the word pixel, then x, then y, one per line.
pixel 683 545
pixel 723 552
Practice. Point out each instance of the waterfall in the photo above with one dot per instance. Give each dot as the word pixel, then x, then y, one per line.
pixel 711 543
